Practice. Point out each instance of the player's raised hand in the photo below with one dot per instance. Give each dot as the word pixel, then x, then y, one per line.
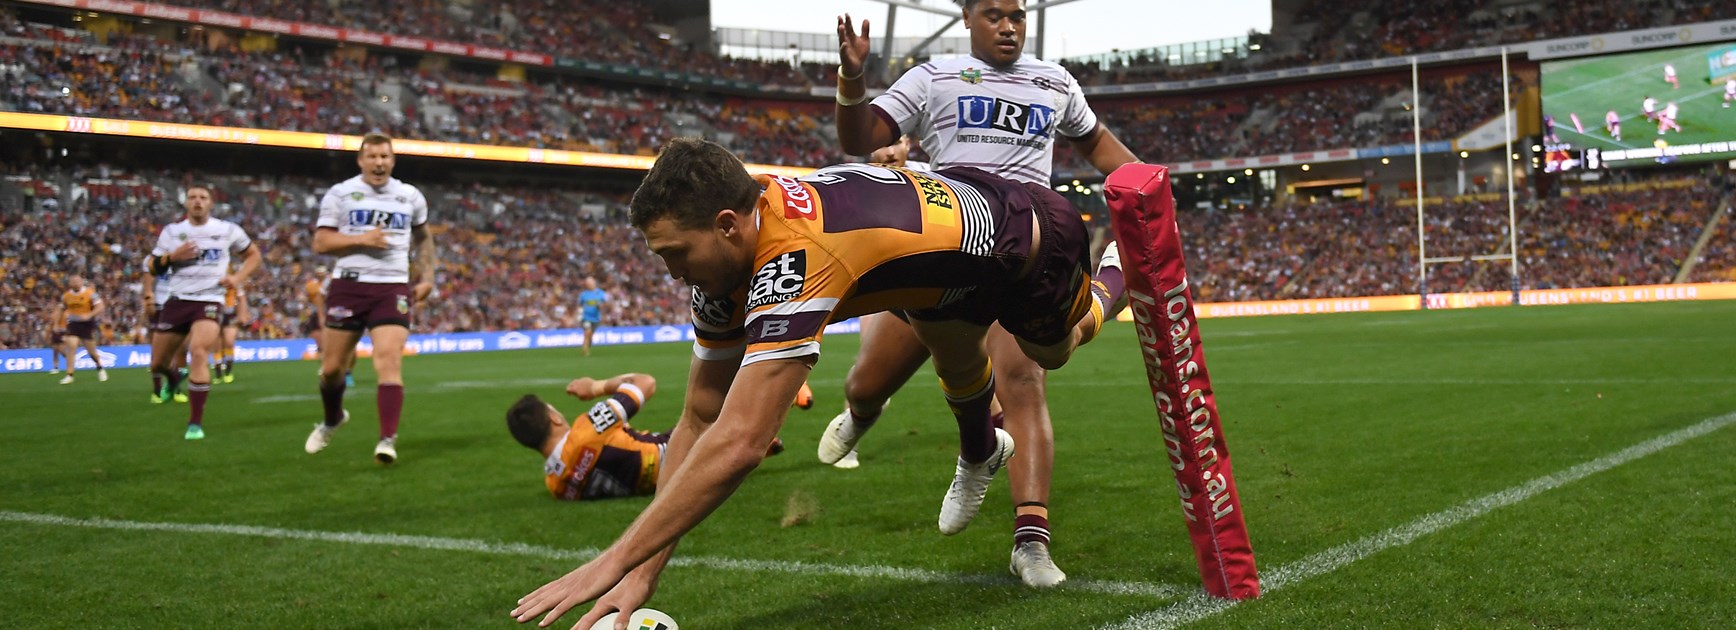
pixel 583 388
pixel 852 46
pixel 372 238
pixel 187 251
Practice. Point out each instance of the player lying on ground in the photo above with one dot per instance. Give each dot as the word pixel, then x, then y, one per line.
pixel 599 455
pixel 772 260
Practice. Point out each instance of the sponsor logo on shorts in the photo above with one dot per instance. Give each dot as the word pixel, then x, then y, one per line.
pixel 403 305
pixel 780 280
pixel 340 312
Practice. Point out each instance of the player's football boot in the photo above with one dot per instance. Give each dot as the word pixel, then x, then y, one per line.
pixel 102 376
pixel 840 438
pixel 386 451
pixel 1031 562
pixel 322 435
pixel 970 482
pixel 195 432
pixel 66 380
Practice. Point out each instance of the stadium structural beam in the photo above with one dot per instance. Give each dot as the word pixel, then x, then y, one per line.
pixel 886 48
pixel 923 45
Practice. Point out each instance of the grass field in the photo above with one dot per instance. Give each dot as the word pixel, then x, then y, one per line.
pixel 1594 86
pixel 1427 469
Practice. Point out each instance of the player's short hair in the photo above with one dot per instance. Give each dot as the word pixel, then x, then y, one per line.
pixel 528 420
pixel 209 189
pixel 374 138
pixel 692 180
pixel 967 4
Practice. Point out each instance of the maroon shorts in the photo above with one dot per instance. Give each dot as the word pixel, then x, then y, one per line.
pixel 352 305
pixel 82 330
pixel 177 316
pixel 1043 306
pixel 310 325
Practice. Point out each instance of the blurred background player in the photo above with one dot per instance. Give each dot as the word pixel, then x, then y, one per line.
pixel 154 298
pixel 1729 91
pixel 1670 77
pixel 56 339
pixel 599 455
pixel 235 316
pixel 79 308
pixel 315 290
pixel 1667 119
pixel 943 102
pixel 1612 124
pixel 372 222
pixel 195 252
pixel 1649 107
pixel 591 306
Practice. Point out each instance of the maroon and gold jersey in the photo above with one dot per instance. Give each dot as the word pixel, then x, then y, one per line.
pixel 602 457
pixel 80 305
pixel 855 239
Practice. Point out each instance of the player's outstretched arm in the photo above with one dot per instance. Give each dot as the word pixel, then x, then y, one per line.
pixel 690 489
pixel 329 241
pixel 587 388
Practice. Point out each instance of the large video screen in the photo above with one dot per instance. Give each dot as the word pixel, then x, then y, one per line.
pixel 1657 106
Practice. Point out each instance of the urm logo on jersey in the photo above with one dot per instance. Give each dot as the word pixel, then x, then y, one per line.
pixel 380 219
pixel 988 112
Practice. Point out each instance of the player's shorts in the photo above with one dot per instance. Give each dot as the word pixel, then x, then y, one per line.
pixel 353 305
pixel 228 318
pixel 178 316
pixel 1043 306
pixel 589 324
pixel 82 330
pixel 310 325
pixel 55 336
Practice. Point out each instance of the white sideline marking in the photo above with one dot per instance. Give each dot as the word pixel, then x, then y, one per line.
pixel 1199 606
pixel 1109 587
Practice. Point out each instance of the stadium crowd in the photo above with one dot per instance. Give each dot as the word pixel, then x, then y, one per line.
pixel 510 250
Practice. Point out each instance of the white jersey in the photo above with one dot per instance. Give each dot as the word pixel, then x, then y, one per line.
pixel 196 280
pixel 1730 87
pixel 1670 111
pixel 1669 71
pixel 1650 105
pixel 354 207
pixel 1004 121
pixel 160 290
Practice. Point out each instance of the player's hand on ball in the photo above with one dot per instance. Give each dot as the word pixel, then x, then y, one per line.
pixel 625 598
pixel 581 585
pixel 583 388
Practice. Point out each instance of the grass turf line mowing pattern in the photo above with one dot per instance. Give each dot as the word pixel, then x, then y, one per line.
pixel 1342 427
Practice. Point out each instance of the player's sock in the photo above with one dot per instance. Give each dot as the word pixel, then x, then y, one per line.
pixel 1031 523
pixel 332 396
pixel 173 378
pixel 863 422
pixel 196 393
pixel 390 402
pixel 970 407
pixel 96 357
pixel 156 383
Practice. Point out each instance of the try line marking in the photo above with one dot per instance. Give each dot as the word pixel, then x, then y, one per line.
pixel 1200 606
pixel 1108 587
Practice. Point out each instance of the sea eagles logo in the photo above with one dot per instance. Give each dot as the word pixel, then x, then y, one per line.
pixel 972 76
pixel 356 196
pixel 779 280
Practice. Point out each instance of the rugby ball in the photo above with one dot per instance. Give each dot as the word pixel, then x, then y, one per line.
pixel 642 619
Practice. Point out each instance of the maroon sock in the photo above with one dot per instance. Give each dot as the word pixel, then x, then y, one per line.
pixel 1029 528
pixel 391 404
pixel 196 393
pixel 976 435
pixel 861 422
pixel 156 383
pixel 333 398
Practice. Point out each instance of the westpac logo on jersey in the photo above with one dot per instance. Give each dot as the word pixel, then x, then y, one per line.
pixel 380 219
pixel 988 112
pixel 779 280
